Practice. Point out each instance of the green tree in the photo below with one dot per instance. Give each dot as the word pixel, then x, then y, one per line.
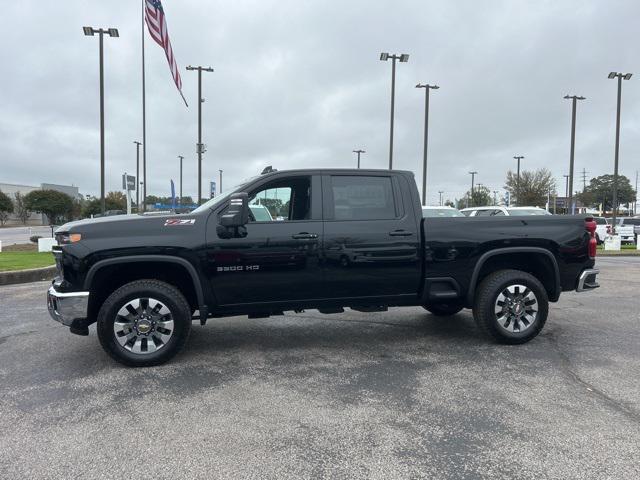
pixel 534 187
pixel 274 205
pixel 22 212
pixel 481 198
pixel 449 203
pixel 55 205
pixel 112 201
pixel 6 207
pixel 600 190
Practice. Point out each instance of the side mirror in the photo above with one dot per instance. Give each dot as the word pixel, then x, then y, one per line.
pixel 237 214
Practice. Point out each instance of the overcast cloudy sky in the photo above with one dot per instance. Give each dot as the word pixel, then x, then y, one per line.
pixel 299 84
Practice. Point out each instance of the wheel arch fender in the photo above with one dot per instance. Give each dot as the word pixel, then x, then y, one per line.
pixel 554 291
pixel 188 266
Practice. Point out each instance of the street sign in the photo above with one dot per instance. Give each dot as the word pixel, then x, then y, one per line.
pixel 128 182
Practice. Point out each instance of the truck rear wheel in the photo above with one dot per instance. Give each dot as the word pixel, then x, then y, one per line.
pixel 144 323
pixel 443 309
pixel 511 306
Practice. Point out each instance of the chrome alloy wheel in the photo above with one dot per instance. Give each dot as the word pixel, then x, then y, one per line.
pixel 143 325
pixel 516 308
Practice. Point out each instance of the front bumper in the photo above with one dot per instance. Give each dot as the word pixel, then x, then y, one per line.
pixel 67 307
pixel 588 280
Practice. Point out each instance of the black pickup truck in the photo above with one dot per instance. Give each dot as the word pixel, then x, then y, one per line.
pixel 322 239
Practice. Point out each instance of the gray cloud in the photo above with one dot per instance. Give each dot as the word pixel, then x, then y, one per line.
pixel 299 84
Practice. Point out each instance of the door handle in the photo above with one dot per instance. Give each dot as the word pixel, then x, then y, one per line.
pixel 400 233
pixel 304 236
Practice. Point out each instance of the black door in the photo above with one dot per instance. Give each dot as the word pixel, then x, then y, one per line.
pixel 371 237
pixel 279 259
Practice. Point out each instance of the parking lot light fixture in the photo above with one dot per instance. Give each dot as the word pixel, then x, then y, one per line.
pixel 518 158
pixel 112 32
pixel 574 99
pixel 620 77
pixel 473 177
pixel 404 57
pixel 358 152
pixel 426 87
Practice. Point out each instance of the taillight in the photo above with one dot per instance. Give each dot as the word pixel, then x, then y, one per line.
pixel 590 226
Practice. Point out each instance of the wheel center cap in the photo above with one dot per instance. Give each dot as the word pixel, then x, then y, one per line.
pixel 144 326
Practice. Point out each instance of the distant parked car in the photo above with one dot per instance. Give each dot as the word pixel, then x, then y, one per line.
pixel 260 213
pixel 627 229
pixel 434 212
pixel 508 211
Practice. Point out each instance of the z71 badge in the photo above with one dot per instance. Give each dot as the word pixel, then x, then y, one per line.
pixel 179 221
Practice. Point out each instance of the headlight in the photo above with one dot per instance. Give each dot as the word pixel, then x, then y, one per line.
pixel 66 238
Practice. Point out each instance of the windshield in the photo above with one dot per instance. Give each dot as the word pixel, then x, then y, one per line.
pixel 441 212
pixel 526 211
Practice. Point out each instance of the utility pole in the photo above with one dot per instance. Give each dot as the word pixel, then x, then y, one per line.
pixel 473 177
pixel 404 57
pixel 199 146
pixel 518 158
pixel 137 174
pixel 359 152
pixel 112 32
pixel 619 76
pixel 566 192
pixel 426 87
pixel 440 192
pixel 574 100
pixel 220 186
pixel 584 179
pixel 181 158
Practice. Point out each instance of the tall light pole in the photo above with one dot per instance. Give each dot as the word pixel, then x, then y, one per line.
pixel 112 32
pixel 574 99
pixel 137 174
pixel 518 158
pixel 619 76
pixel 358 152
pixel 440 192
pixel 404 57
pixel 495 197
pixel 199 146
pixel 473 177
pixel 220 186
pixel 426 87
pixel 181 158
pixel 566 189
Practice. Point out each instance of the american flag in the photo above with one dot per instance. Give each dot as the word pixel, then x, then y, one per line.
pixel 157 24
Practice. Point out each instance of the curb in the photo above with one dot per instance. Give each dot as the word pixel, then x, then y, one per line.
pixel 26 276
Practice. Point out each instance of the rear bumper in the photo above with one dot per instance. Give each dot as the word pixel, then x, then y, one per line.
pixel 67 307
pixel 588 280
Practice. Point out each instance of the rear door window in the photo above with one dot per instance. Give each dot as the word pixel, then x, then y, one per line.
pixel 363 198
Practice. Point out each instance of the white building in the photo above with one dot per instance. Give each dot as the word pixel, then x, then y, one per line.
pixel 10 189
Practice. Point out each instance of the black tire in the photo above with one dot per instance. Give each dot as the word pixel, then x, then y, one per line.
pixel 173 300
pixel 443 309
pixel 487 302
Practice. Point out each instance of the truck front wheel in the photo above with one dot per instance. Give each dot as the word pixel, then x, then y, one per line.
pixel 144 323
pixel 511 306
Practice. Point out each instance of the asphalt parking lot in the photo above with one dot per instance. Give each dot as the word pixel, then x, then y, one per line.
pixel 400 394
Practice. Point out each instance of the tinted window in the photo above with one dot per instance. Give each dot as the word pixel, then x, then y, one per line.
pixel 517 212
pixel 284 200
pixel 362 198
pixel 440 212
pixel 631 221
pixel 484 213
pixel 600 220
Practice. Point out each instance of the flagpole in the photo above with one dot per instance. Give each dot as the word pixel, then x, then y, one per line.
pixel 144 126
